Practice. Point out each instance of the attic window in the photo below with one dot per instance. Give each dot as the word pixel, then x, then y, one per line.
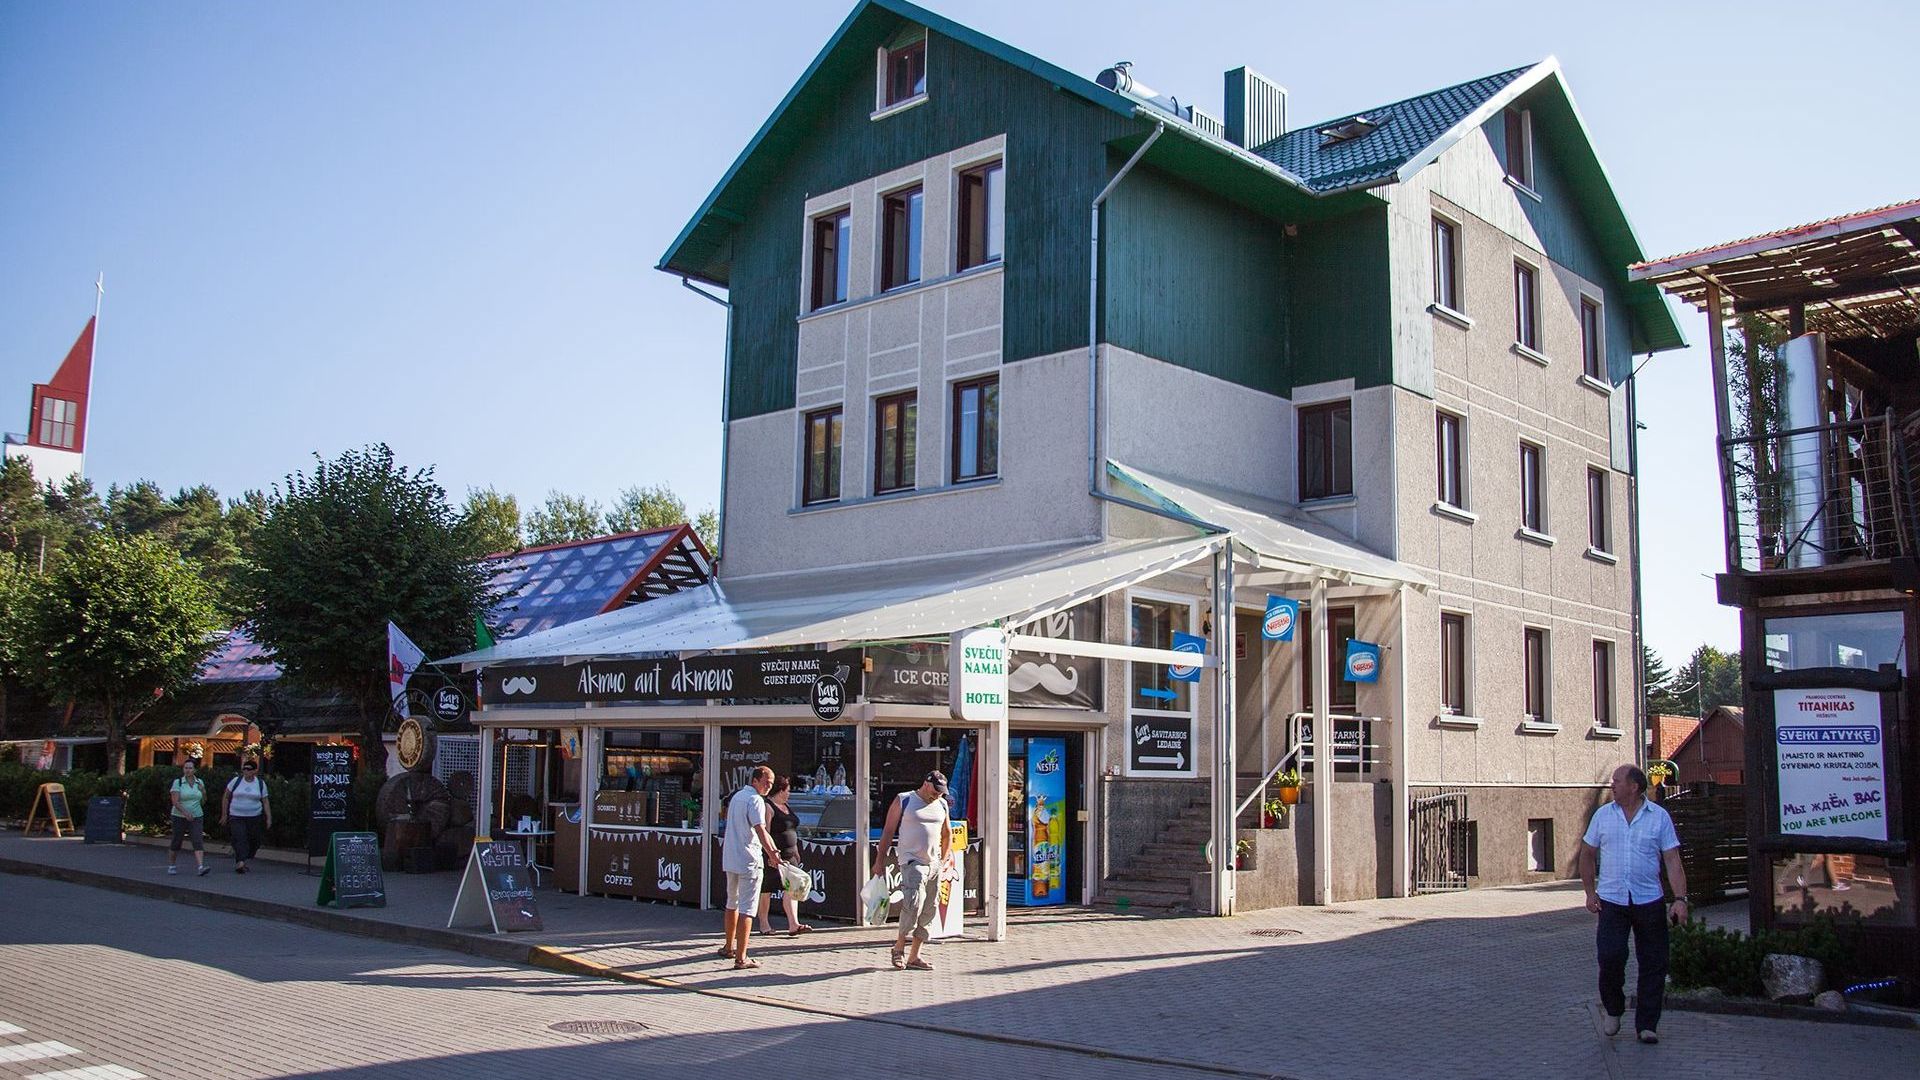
pixel 1347 130
pixel 903 72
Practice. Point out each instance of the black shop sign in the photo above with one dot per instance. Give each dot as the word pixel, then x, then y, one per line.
pixel 1160 746
pixel 329 783
pixel 765 677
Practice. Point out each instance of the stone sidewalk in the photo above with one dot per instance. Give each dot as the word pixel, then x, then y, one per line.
pixel 1490 983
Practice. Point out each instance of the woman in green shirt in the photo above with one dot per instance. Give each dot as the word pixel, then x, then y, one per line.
pixel 189 795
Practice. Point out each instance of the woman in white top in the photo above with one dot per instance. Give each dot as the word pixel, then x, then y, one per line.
pixel 246 813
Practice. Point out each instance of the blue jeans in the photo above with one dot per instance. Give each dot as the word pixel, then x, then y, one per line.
pixel 1648 923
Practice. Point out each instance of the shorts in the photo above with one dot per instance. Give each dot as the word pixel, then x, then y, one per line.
pixel 743 891
pixel 919 900
pixel 189 827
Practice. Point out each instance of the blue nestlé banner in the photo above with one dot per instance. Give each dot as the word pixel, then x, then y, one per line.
pixel 1282 615
pixel 1363 661
pixel 1188 643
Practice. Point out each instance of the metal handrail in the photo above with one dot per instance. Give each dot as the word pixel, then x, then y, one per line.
pixel 1293 752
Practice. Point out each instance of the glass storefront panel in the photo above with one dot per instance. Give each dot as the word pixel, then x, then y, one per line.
pixel 1864 890
pixel 1854 639
pixel 651 778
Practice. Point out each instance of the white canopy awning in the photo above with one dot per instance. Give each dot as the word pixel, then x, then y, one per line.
pixel 1279 536
pixel 923 598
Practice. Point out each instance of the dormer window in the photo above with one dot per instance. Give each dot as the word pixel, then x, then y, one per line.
pixel 904 73
pixel 1520 147
pixel 1347 130
pixel 58 420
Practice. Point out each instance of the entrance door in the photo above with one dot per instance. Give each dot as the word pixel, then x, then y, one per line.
pixel 1249 722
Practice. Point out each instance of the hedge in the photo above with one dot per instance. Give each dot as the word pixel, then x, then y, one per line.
pixel 149 801
pixel 1704 956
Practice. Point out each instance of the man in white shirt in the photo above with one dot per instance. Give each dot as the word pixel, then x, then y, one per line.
pixel 744 850
pixel 1632 838
pixel 921 820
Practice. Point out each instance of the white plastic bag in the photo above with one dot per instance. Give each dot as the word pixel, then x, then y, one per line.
pixel 795 881
pixel 877 894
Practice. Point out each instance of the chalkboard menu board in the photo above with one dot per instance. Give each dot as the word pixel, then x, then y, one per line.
pixel 352 877
pixel 496 889
pixel 57 796
pixel 329 782
pixel 104 814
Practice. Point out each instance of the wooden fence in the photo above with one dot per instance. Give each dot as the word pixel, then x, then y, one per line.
pixel 1712 822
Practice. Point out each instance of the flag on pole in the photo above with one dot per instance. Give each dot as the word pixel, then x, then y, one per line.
pixel 403 656
pixel 482 637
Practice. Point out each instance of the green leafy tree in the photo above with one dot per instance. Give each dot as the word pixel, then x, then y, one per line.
pixel 14 585
pixel 563 518
pixel 493 519
pixel 121 619
pixel 343 549
pixel 652 507
pixel 1658 680
pixel 708 526
pixel 1709 678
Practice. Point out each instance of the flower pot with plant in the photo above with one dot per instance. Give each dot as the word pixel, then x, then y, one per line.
pixel 1288 781
pixel 1241 849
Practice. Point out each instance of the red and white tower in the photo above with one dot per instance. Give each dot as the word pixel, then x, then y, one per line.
pixel 56 438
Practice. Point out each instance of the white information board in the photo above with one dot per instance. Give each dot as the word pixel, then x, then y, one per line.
pixel 1828 748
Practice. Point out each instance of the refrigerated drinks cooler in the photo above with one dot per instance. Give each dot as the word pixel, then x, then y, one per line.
pixel 1036 821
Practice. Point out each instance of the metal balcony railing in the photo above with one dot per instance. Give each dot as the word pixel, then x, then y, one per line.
pixel 1818 496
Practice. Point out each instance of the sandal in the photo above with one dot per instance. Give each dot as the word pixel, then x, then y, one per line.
pixel 899 958
pixel 798 930
pixel 918 964
pixel 746 964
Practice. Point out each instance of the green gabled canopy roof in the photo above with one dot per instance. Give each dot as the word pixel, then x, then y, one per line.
pixel 701 250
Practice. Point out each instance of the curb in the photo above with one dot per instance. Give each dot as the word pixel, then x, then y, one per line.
pixel 1773 1010
pixel 549 958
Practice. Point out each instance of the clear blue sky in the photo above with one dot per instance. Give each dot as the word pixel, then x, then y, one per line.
pixel 435 224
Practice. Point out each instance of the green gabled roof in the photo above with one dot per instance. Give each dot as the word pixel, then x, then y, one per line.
pixel 1403 130
pixel 700 251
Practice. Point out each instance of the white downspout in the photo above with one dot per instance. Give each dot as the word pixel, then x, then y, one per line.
pixel 1322 748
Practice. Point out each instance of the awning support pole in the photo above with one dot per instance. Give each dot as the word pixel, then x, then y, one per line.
pixel 993 769
pixel 1322 748
pixel 1402 796
pixel 1225 783
pixel 483 828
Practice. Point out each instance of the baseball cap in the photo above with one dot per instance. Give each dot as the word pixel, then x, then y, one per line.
pixel 938 779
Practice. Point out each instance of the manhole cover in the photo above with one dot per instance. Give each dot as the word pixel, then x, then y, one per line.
pixel 1275 932
pixel 598 1027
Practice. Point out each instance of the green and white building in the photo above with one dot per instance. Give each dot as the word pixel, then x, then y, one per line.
pixel 1004 340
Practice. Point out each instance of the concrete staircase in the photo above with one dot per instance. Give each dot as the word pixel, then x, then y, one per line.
pixel 1160 876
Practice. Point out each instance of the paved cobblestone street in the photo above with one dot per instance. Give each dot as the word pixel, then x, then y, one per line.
pixel 1493 983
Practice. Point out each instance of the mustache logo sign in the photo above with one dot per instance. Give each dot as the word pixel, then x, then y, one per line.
pixel 1029 675
pixel 519 684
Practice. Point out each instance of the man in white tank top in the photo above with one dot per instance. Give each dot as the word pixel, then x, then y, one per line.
pixel 920 819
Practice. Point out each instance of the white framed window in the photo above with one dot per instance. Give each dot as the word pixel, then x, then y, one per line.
pixel 1533 488
pixel 1456 664
pixel 1446 264
pixel 1450 458
pixel 1603 684
pixel 1599 505
pixel 829 258
pixel 1155 699
pixel 1519 150
pixel 900 237
pixel 1593 346
pixel 1536 676
pixel 1526 306
pixel 980 215
pixel 902 71
pixel 58 420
